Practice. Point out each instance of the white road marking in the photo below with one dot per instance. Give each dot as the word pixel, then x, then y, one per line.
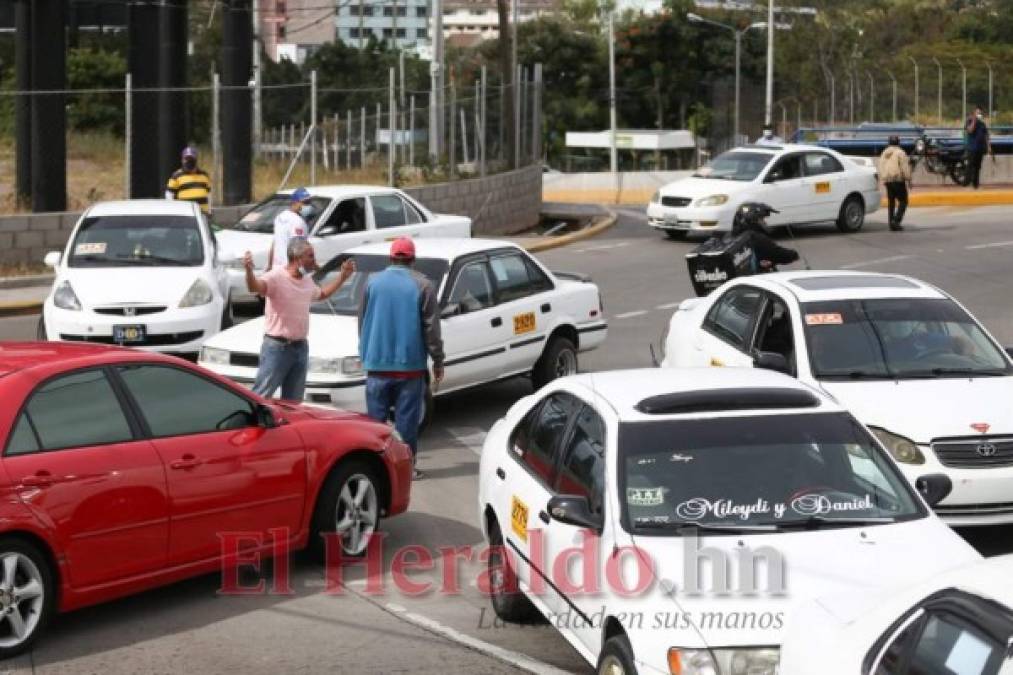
pixel 506 655
pixel 471 437
pixel 995 244
pixel 669 305
pixel 877 261
pixel 627 315
pixel 603 247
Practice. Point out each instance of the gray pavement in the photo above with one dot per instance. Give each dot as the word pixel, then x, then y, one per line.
pixel 190 626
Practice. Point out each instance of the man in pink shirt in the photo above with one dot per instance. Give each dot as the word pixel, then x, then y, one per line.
pixel 289 290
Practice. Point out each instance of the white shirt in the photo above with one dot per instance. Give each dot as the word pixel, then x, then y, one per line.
pixel 773 140
pixel 287 224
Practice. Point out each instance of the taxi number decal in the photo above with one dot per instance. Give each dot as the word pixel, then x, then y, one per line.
pixel 717 362
pixel 524 323
pixel 519 518
pixel 832 319
pixel 822 188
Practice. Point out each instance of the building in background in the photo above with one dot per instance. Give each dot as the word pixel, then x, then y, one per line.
pixel 402 23
pixel 294 29
pixel 467 22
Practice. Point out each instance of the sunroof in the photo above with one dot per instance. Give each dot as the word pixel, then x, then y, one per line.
pixel 851 281
pixel 717 400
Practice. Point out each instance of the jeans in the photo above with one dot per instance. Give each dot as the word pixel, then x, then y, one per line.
pixel 896 200
pixel 282 364
pixel 405 396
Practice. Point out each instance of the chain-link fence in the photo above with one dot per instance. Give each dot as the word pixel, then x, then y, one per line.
pixel 302 134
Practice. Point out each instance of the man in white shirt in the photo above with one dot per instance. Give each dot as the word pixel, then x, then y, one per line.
pixel 289 223
pixel 768 137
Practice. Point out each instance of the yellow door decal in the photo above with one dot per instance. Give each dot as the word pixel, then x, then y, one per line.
pixel 823 188
pixel 717 362
pixel 524 323
pixel 519 518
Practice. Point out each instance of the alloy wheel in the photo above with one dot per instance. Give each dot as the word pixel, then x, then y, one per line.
pixel 22 597
pixel 356 514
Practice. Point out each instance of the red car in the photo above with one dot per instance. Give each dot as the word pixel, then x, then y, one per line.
pixel 121 469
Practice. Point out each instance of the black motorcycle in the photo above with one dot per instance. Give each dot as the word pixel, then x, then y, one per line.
pixel 943 159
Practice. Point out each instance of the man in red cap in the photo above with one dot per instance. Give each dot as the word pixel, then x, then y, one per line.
pixel 399 331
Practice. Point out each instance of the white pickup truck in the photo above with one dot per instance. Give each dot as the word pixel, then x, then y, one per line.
pixel 344 216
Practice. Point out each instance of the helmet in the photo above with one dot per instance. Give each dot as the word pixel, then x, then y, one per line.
pixel 751 216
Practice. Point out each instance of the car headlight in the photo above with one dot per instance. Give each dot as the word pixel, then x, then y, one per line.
pixel 904 450
pixel 198 294
pixel 214 356
pixel 351 365
pixel 656 197
pixel 733 661
pixel 713 200
pixel 324 366
pixel 65 298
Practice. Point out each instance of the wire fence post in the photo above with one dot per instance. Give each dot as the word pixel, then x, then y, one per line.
pixel 391 116
pixel 481 126
pixel 452 147
pixel 313 127
pixel 536 132
pixel 522 93
pixel 337 142
pixel 464 135
pixel 517 117
pixel 348 139
pixel 411 131
pixel 477 124
pixel 127 135
pixel 216 138
pixel 362 139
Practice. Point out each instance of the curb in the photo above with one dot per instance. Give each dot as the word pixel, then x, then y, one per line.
pixel 919 196
pixel 586 233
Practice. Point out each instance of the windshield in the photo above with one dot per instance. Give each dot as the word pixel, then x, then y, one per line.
pixel 736 165
pixel 121 241
pixel 897 338
pixel 346 300
pixel 261 217
pixel 766 472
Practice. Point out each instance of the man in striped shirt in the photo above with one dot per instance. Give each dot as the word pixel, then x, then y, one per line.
pixel 190 183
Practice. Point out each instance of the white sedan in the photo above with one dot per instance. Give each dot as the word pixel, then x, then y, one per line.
pixel 344 216
pixel 670 521
pixel 958 623
pixel 905 357
pixel 503 314
pixel 142 273
pixel 805 183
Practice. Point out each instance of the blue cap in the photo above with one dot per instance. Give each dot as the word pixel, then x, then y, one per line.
pixel 301 195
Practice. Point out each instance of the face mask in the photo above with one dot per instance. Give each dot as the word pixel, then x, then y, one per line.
pixel 189 164
pixel 979 116
pixel 307 211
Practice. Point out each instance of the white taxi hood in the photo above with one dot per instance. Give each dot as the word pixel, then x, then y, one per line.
pixel 330 337
pixel 922 410
pixel 136 284
pixel 873 559
pixel 696 188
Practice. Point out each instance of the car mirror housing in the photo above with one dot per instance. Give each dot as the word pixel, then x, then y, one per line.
pixel 772 361
pixel 453 309
pixel 265 417
pixel 574 510
pixel 934 487
pixel 327 230
pixel 52 258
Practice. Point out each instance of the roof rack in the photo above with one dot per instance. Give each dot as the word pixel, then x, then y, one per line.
pixel 718 400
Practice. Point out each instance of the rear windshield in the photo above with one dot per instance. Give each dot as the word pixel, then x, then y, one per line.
pixel 124 241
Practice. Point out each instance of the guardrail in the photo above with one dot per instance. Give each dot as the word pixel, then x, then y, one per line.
pixel 870 141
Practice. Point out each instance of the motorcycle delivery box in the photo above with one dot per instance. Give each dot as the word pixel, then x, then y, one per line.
pixel 719 259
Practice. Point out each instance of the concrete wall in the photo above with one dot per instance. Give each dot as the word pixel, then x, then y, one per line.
pixel 502 204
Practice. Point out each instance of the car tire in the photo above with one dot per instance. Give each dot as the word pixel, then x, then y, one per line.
pixel 852 214
pixel 40 330
pixel 30 572
pixel 616 657
pixel 558 360
pixel 676 235
pixel 509 605
pixel 336 505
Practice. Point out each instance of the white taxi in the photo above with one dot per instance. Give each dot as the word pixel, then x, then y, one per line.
pixel 906 358
pixel 143 273
pixel 503 314
pixel 804 183
pixel 670 521
pixel 342 217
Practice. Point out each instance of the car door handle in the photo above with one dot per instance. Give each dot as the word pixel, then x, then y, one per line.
pixel 546 308
pixel 500 473
pixel 496 322
pixel 186 462
pixel 40 479
pixel 544 516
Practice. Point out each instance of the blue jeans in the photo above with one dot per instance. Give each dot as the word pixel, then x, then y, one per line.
pixel 282 365
pixel 405 396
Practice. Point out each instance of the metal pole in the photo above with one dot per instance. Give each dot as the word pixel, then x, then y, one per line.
pixel 915 64
pixel 258 120
pixel 313 127
pixel 390 120
pixel 216 141
pixel 482 130
pixel 464 136
pixel 401 99
pixel 738 80
pixel 436 84
pixel 939 95
pixel 989 66
pixel 411 130
pixel 128 123
pixel 515 98
pixel 872 97
pixel 537 123
pixel 348 139
pixel 833 99
pixel 452 146
pixel 963 80
pixel 771 29
pixel 798 109
pixel 517 115
pixel 893 81
pixel 362 139
pixel 613 152
pixel 851 97
pixel 477 121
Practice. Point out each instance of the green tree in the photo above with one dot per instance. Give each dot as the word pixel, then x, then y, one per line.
pixel 94 69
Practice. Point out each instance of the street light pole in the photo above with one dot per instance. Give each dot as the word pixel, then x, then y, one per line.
pixel 851 96
pixel 768 109
pixel 963 80
pixel 989 66
pixel 872 97
pixel 915 64
pixel 738 71
pixel 613 153
pixel 939 95
pixel 893 81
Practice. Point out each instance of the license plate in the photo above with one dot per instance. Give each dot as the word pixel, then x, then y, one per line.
pixel 128 334
pixel 524 323
pixel 822 188
pixel 519 518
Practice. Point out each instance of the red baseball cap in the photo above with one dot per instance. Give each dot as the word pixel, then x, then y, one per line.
pixel 403 248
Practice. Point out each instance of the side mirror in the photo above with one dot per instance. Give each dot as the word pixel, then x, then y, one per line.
pixel 772 361
pixel 327 230
pixel 574 510
pixel 266 418
pixel 52 258
pixel 933 487
pixel 452 309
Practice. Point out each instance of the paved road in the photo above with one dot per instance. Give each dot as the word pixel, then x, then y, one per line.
pixel 192 627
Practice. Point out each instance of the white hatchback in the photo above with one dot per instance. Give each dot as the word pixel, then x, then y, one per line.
pixel 906 358
pixel 669 521
pixel 142 273
pixel 805 183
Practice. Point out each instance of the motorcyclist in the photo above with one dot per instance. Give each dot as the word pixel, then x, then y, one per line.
pixel 750 220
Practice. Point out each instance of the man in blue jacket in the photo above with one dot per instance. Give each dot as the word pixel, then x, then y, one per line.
pixel 399 331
